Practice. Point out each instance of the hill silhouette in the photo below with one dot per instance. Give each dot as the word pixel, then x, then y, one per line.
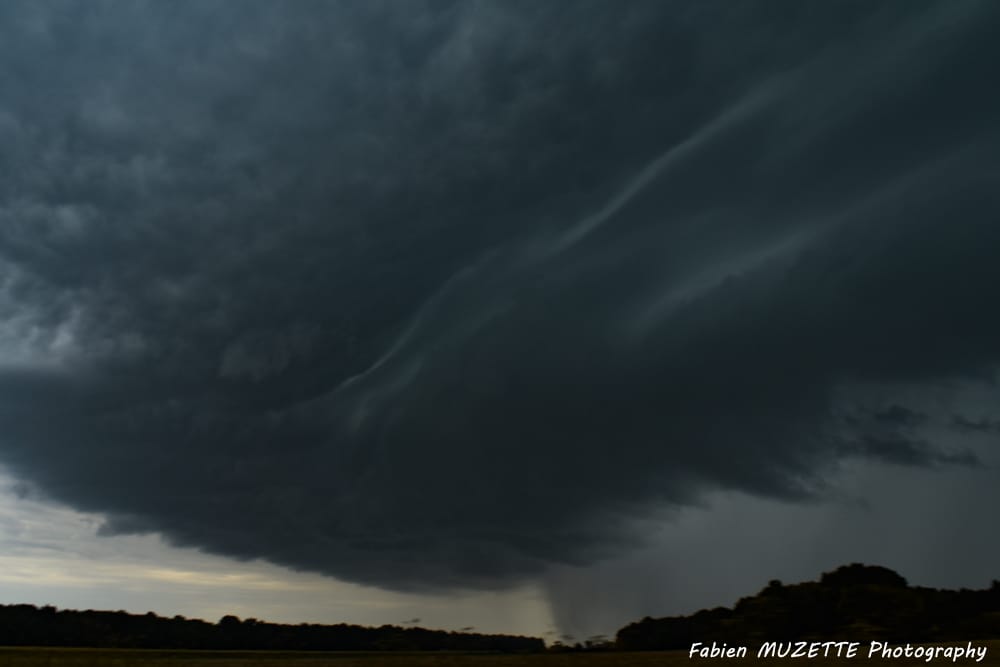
pixel 28 625
pixel 854 602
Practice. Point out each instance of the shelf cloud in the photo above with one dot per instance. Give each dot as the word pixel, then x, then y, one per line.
pixel 442 294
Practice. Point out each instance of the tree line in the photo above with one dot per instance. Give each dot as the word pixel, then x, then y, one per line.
pixel 855 603
pixel 28 625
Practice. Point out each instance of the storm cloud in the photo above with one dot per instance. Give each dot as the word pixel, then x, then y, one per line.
pixel 438 294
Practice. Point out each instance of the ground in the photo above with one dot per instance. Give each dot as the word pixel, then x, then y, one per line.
pixel 52 657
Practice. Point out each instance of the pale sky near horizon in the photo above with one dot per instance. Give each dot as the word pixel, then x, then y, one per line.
pixel 51 554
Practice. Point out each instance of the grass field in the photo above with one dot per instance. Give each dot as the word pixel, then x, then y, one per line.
pixel 52 657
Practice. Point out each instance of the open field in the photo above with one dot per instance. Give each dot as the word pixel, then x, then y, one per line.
pixel 54 657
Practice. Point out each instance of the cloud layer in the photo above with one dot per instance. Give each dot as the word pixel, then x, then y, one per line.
pixel 445 293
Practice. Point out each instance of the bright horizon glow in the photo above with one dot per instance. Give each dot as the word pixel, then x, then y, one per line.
pixel 51 555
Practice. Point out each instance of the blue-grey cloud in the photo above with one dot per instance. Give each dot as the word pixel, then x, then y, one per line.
pixel 438 294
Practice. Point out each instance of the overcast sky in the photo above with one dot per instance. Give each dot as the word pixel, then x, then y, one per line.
pixel 534 317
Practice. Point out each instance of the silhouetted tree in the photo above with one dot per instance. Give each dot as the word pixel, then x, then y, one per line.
pixel 27 625
pixel 855 601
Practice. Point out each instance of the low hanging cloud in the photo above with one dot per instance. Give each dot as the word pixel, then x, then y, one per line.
pixel 441 294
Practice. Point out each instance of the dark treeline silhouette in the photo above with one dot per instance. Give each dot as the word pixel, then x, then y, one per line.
pixel 28 625
pixel 853 603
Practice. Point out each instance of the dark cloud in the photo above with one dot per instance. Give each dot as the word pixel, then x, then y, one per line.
pixel 438 294
pixel 980 425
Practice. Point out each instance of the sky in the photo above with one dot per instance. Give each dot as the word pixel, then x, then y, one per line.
pixel 528 317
